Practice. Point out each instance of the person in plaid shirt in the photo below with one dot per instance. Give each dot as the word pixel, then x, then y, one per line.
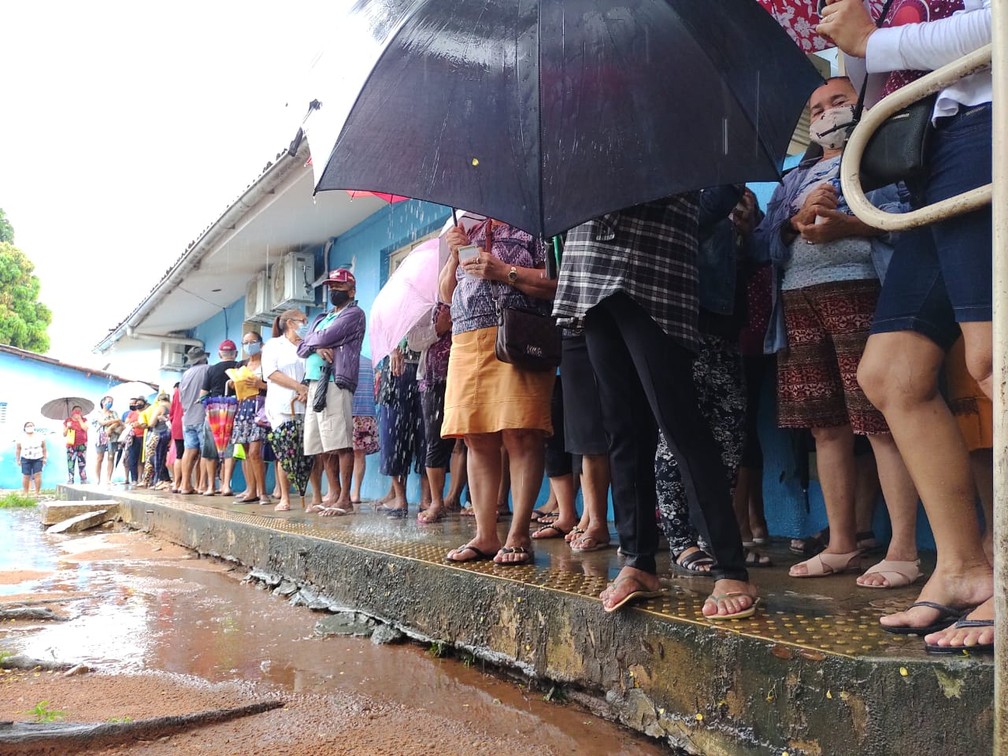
pixel 629 279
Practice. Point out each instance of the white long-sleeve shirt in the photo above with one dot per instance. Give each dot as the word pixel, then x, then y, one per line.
pixel 930 45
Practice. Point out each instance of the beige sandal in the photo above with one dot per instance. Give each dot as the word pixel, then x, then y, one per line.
pixel 828 564
pixel 897 574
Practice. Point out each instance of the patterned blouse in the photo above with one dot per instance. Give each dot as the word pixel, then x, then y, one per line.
pixel 474 304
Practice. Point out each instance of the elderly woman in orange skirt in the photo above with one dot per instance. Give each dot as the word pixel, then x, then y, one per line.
pixel 493 404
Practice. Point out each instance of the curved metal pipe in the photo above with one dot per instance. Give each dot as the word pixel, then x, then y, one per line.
pixel 850 166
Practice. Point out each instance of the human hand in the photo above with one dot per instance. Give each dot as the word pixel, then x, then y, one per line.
pixel 833 226
pixel 301 394
pixel 455 238
pixel 486 266
pixel 397 363
pixel 823 196
pixel 325 353
pixel 743 216
pixel 848 25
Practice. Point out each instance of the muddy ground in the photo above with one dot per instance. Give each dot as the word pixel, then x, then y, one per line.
pixel 161 632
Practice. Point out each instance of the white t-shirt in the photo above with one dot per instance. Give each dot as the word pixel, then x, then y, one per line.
pixel 31 446
pixel 280 354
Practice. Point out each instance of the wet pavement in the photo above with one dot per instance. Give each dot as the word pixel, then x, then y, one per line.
pixel 136 605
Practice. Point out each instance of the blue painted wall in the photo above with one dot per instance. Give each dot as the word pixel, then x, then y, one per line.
pixel 367 247
pixel 25 384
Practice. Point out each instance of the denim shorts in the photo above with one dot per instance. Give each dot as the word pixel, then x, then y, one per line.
pixel 941 275
pixel 31 466
pixel 192 435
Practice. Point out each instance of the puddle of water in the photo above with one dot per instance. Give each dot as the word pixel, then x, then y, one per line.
pixel 190 617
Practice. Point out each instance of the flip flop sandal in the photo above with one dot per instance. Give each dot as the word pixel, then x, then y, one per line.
pixel 810 546
pixel 756 559
pixel 825 564
pixel 980 648
pixel 334 512
pixel 641 594
pixel 398 514
pixel 538 514
pixel 747 612
pixel 282 508
pixel 898 574
pixel 588 543
pixel 693 563
pixel 467 512
pixel 558 532
pixel 481 556
pixel 525 556
pixel 946 616
pixel 314 509
pixel 575 533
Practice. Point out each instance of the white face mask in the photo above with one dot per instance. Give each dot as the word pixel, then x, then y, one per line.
pixel 831 129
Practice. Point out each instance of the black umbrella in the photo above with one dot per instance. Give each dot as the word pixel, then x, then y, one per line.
pixel 545 114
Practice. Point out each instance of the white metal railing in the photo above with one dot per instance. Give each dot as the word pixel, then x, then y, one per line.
pixel 850 179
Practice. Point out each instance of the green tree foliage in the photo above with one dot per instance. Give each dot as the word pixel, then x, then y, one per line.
pixel 6 229
pixel 23 319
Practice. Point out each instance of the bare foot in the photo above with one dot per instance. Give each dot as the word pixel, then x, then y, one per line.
pixel 730 597
pixel 879 579
pixel 433 513
pixel 283 506
pixel 630 585
pixel 967 589
pixel 558 529
pixel 967 637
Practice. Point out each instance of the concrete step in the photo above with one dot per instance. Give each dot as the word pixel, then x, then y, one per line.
pixel 84 521
pixel 58 511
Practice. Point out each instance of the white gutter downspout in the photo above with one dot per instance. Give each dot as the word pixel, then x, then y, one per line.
pixel 999 69
pixel 132 333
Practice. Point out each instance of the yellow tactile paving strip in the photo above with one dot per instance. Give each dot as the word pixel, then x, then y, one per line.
pixel 821 628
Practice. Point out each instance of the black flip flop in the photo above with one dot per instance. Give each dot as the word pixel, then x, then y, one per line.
pixel 947 615
pixel 527 557
pixel 481 556
pixel 980 648
pixel 691 563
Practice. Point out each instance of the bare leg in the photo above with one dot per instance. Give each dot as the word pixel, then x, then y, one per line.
pixel 484 463
pixel 359 468
pixel 595 488
pixel 505 482
pixel 38 483
pixel 189 460
pixel 425 492
pixel 284 484
pixel 24 483
pixel 866 489
pixel 899 373
pixel 210 476
pixel 435 481
pixel 526 453
pixel 837 476
pixel 229 464
pixel 901 501
pixel 345 459
pixel 982 467
pixel 315 481
pixel 98 466
pixel 562 487
pixel 453 501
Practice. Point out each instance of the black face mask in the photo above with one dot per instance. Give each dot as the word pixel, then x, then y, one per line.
pixel 339 298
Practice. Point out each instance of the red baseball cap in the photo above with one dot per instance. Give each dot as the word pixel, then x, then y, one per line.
pixel 341 275
pixel 227 346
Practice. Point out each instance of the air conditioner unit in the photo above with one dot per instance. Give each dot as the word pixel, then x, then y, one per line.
pixel 172 356
pixel 292 281
pixel 257 294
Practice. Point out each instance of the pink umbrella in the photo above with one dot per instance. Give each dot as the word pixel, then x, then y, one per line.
pixel 406 298
pixel 800 18
pixel 390 198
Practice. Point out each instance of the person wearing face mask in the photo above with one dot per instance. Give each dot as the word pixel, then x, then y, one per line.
pixel 331 351
pixel 30 454
pixel 75 434
pixel 246 431
pixel 828 268
pixel 109 427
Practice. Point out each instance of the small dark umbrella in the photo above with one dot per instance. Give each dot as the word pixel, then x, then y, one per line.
pixel 288 446
pixel 546 114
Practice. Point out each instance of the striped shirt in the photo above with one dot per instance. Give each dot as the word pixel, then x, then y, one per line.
pixel 648 252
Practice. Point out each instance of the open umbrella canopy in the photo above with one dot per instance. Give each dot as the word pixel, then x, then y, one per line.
pixel 59 408
pixel 800 18
pixel 408 296
pixel 545 114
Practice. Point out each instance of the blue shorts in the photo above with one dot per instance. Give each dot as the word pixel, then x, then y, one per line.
pixel 941 275
pixel 192 435
pixel 31 466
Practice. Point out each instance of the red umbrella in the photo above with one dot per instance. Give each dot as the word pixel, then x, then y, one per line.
pixel 800 18
pixel 390 198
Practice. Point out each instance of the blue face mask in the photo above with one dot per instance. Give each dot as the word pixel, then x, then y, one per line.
pixel 107 404
pixel 253 349
pixel 302 331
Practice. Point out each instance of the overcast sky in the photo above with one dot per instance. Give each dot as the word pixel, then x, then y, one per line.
pixel 126 128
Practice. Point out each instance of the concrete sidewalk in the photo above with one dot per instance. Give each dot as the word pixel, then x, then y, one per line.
pixel 812 672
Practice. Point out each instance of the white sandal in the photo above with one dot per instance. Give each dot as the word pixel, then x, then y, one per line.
pixel 897 574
